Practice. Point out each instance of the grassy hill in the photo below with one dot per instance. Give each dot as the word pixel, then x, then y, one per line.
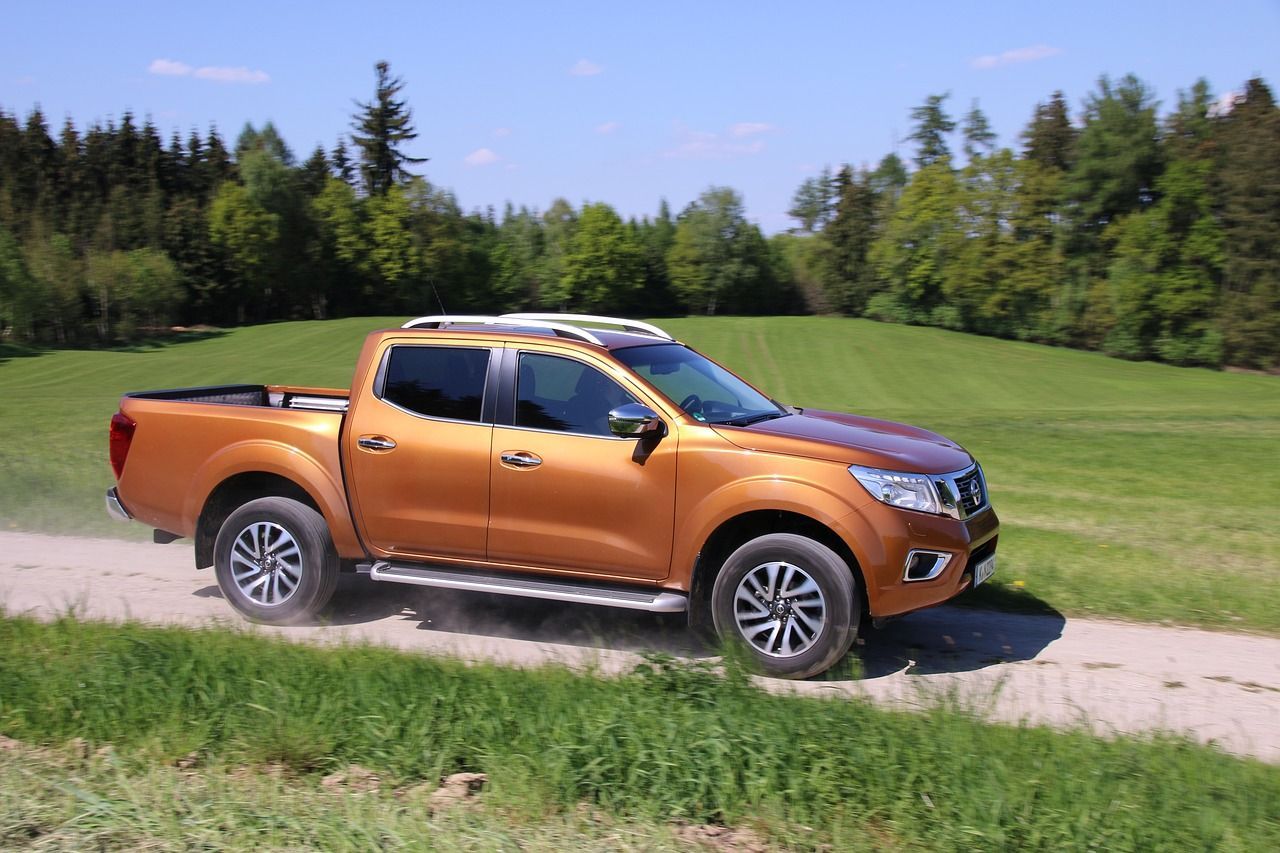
pixel 1131 490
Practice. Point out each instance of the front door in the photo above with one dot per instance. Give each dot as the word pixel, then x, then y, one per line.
pixel 418 453
pixel 567 494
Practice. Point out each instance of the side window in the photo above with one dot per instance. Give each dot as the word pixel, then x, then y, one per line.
pixel 565 395
pixel 440 382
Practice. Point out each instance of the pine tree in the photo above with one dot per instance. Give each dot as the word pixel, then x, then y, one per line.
pixel 1050 139
pixel 314 172
pixel 39 163
pixel 342 162
pixel 268 139
pixel 383 126
pixel 217 161
pixel 1250 186
pixel 932 126
pixel 979 139
pixel 849 279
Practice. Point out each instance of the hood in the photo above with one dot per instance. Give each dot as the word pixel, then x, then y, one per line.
pixel 852 440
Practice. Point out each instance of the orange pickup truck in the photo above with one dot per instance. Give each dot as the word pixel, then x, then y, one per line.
pixel 547 456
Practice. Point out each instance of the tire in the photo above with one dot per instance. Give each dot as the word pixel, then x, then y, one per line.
pixel 803 622
pixel 264 546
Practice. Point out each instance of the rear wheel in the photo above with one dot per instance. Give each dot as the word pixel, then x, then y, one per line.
pixel 275 561
pixel 789 601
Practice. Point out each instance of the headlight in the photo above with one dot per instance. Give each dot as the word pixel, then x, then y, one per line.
pixel 900 489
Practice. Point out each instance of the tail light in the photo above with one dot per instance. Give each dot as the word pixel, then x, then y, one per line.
pixel 121 437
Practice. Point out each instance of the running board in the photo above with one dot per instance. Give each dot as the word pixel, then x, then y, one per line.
pixel 656 601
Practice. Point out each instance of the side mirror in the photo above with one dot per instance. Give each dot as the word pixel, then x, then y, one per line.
pixel 634 420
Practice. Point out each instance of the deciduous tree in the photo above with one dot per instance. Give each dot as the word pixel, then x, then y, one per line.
pixel 604 265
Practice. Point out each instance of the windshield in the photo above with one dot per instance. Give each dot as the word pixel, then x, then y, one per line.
pixel 702 388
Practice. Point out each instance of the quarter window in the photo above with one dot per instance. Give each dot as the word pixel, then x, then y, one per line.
pixel 565 395
pixel 439 382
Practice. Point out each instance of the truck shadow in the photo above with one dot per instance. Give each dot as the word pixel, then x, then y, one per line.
pixel 940 640
pixel 956 639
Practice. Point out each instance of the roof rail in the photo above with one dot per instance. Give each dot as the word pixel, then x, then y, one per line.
pixel 439 321
pixel 627 325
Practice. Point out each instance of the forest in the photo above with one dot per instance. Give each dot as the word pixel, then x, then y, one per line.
pixel 1117 227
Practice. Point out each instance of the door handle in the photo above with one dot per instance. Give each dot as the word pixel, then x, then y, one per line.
pixel 520 459
pixel 376 442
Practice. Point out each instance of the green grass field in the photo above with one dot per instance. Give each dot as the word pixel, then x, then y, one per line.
pixel 669 741
pixel 1132 490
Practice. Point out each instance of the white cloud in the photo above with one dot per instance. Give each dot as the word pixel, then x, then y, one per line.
pixel 500 132
pixel 750 128
pixel 238 74
pixel 169 68
pixel 481 157
pixel 586 68
pixel 704 145
pixel 609 127
pixel 1016 56
pixel 217 73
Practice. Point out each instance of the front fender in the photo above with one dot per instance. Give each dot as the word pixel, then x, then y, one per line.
pixel 813 499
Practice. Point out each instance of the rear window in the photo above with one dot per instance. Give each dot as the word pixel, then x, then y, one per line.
pixel 439 382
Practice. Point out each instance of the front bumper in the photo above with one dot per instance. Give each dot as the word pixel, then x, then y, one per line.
pixel 115 508
pixel 887 536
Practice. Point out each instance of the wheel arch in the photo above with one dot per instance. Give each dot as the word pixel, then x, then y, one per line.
pixel 235 491
pixel 733 532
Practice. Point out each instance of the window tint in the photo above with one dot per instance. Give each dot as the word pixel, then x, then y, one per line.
pixel 565 395
pixel 440 382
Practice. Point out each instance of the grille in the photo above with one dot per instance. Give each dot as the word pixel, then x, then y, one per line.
pixel 972 492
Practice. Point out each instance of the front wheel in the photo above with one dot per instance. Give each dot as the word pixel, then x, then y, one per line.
pixel 275 561
pixel 790 601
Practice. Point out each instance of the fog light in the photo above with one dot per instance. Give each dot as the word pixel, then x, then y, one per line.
pixel 925 565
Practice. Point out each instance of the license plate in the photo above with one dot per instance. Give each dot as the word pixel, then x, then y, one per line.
pixel 984 570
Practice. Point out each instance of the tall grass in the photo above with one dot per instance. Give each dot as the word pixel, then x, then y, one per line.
pixel 670 741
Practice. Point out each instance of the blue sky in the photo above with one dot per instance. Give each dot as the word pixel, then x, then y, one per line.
pixel 623 103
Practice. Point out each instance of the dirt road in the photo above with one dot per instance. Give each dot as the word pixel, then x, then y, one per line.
pixel 1113 676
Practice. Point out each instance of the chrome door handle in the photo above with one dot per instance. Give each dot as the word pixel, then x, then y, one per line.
pixel 520 459
pixel 375 442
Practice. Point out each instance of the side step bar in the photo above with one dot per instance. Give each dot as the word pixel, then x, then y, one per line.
pixel 656 601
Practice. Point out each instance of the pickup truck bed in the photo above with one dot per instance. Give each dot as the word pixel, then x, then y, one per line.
pixel 216 433
pixel 269 396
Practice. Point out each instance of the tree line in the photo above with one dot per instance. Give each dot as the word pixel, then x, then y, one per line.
pixel 1143 237
pixel 1140 236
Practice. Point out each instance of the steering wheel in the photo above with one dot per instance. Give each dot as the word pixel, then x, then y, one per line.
pixel 691 404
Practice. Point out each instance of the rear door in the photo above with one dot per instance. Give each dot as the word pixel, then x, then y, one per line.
pixel 567 495
pixel 418 451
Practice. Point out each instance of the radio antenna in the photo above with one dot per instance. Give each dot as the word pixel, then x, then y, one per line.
pixel 439 301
